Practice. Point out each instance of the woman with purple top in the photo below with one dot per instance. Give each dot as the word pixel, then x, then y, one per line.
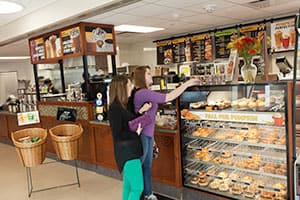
pixel 143 81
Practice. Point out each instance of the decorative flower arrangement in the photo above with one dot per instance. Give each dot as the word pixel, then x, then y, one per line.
pixel 246 47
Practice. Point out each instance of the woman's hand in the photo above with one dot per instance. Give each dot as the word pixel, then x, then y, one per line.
pixel 145 107
pixel 139 129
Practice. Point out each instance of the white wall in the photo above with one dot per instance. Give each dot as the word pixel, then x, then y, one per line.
pixel 133 54
pixel 23 68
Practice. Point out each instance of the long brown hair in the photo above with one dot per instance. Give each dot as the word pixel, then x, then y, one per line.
pixel 118 90
pixel 139 76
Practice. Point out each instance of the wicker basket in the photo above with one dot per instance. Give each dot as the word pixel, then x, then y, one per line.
pixel 31 154
pixel 65 139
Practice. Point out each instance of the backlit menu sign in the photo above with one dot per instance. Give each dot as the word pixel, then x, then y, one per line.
pixel 37 50
pixel 256 30
pixel 201 47
pixel 53 46
pixel 99 39
pixel 71 41
pixel 179 50
pixel 164 52
pixel 222 38
pixel 283 35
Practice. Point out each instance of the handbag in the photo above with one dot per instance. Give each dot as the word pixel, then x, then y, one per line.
pixel 155 151
pixel 145 120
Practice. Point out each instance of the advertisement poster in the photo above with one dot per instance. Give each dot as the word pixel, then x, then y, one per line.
pixel 164 52
pixel 222 38
pixel 99 39
pixel 201 47
pixel 283 35
pixel 52 45
pixel 179 50
pixel 71 40
pixel 26 118
pixel 37 49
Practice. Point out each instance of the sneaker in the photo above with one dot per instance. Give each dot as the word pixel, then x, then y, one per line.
pixel 151 197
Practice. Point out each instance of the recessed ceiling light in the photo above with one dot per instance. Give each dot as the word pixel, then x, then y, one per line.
pixel 9 7
pixel 14 57
pixel 137 29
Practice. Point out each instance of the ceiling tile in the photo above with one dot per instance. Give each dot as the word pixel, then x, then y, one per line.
pixel 116 19
pixel 129 7
pixel 149 10
pixel 176 14
pixel 219 4
pixel 291 7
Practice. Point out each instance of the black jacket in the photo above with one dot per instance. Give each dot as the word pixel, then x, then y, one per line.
pixel 127 144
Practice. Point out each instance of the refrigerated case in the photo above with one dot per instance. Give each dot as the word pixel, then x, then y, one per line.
pixel 236 140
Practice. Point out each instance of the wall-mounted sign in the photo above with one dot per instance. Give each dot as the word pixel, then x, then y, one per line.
pixel 26 118
pixel 164 52
pixel 75 40
pixel 178 50
pixel 99 39
pixel 222 38
pixel 253 30
pixel 37 50
pixel 71 40
pixel 201 47
pixel 283 35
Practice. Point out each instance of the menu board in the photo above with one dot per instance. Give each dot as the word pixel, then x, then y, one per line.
pixel 52 46
pixel 37 50
pixel 164 52
pixel 201 47
pixel 254 31
pixel 99 39
pixel 283 35
pixel 222 38
pixel 71 41
pixel 179 50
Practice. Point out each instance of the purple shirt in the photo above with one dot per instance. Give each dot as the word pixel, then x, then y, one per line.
pixel 144 95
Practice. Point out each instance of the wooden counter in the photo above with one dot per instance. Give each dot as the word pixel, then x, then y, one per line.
pixel 166 168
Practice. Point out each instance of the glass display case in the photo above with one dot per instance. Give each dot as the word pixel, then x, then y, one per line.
pixel 235 140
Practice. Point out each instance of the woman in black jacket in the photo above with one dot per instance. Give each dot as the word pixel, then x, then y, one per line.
pixel 127 144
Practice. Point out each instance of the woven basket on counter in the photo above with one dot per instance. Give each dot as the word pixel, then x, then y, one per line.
pixel 30 154
pixel 65 139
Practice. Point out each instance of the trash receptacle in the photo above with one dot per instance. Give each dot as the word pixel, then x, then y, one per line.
pixel 65 139
pixel 32 149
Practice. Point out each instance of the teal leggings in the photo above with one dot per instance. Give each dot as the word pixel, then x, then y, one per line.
pixel 133 184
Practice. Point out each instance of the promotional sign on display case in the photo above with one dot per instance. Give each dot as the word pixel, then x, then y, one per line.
pixel 283 35
pixel 71 41
pixel 222 38
pixel 201 47
pixel 26 118
pixel 99 38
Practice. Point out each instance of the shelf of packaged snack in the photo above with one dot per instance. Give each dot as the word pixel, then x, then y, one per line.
pixel 232 182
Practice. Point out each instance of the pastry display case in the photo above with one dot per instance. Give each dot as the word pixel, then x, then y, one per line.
pixel 235 140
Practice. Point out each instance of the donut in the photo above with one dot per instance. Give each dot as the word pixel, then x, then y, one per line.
pixel 223 187
pixel 195 180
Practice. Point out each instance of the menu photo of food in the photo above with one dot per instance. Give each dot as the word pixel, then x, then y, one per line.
pixel 283 35
pixel 52 45
pixel 99 39
pixel 179 50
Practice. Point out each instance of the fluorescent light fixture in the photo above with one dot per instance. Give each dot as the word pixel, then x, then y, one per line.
pixel 14 57
pixel 149 49
pixel 7 7
pixel 137 29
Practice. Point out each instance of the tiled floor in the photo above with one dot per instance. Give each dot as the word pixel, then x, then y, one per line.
pixel 13 181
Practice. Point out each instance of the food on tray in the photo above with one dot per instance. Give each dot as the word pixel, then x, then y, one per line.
pixel 237 138
pixel 202 174
pixel 195 180
pixel 223 187
pixel 220 136
pixel 280 186
pixel 237 189
pixel 186 114
pixel 252 104
pixel 198 104
pixel 234 176
pixel 247 179
pixel 270 170
pixel 223 174
pixel 203 182
pixel 226 154
pixel 214 184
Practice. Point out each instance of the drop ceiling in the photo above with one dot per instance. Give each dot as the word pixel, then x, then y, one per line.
pixel 176 16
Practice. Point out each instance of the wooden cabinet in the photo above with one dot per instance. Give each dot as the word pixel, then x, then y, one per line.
pixel 3 124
